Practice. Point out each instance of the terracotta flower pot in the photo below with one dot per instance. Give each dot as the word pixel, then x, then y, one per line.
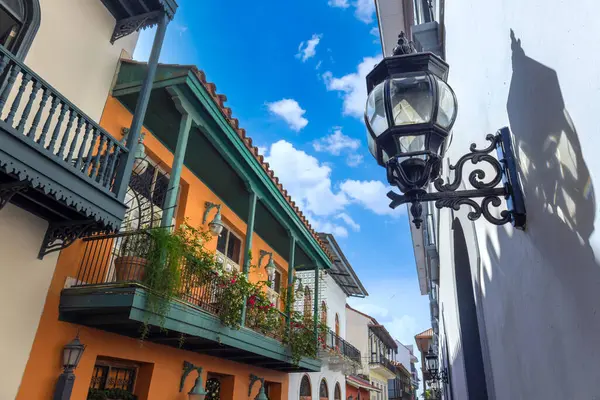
pixel 130 268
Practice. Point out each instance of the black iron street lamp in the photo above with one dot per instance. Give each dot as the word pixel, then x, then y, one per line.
pixel 71 356
pixel 409 114
pixel 433 369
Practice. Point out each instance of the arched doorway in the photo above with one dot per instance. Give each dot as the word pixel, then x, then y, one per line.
pixel 305 388
pixel 19 22
pixel 467 316
pixel 323 390
pixel 337 394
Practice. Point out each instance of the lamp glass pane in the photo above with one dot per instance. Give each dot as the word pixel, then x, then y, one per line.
pixel 371 144
pixel 412 100
pixel 376 116
pixel 409 144
pixel 67 357
pixel 447 105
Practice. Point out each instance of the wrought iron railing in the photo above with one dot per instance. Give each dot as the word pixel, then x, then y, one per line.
pixel 121 258
pixel 54 126
pixel 382 360
pixel 335 342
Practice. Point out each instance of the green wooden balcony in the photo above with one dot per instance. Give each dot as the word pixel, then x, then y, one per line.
pixel 109 293
pixel 55 161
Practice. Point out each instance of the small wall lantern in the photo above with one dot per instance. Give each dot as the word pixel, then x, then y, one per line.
pixel 261 393
pixel 216 225
pixel 270 267
pixel 197 392
pixel 71 356
pixel 409 113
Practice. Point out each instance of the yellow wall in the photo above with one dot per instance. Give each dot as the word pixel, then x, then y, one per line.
pixel 163 364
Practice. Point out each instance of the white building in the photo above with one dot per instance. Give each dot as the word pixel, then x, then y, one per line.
pixel 515 313
pixel 339 357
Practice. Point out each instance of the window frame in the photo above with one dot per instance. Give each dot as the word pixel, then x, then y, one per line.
pixel 30 25
pixel 114 364
pixel 230 231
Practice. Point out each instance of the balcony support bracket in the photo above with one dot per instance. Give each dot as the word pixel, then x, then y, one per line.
pixel 127 26
pixel 61 235
pixel 8 190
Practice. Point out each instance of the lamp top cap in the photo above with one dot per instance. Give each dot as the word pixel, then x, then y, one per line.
pixel 405 63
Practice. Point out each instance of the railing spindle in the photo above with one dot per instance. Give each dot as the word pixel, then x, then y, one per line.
pixel 104 160
pixel 86 136
pixel 97 158
pixel 34 91
pixel 3 63
pixel 56 133
pixel 74 140
pixel 17 101
pixel 42 139
pixel 12 76
pixel 113 162
pixel 88 159
pixel 66 136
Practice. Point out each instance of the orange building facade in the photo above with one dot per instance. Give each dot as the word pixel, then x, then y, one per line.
pixel 99 311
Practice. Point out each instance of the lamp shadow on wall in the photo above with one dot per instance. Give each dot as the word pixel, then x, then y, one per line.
pixel 542 287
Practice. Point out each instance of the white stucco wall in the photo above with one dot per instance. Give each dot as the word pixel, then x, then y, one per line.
pixel 336 304
pixel 72 51
pixel 24 282
pixel 331 377
pixel 357 334
pixel 530 65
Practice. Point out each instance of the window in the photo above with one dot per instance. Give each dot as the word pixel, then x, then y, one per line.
pixel 19 22
pixel 337 395
pixel 229 249
pixel 146 197
pixel 337 330
pixel 305 389
pixel 110 375
pixel 323 390
pixel 275 290
pixel 324 312
pixel 307 303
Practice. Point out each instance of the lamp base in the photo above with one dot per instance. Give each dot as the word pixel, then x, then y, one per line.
pixel 64 386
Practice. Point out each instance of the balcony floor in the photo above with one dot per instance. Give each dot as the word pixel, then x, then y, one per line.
pixel 121 310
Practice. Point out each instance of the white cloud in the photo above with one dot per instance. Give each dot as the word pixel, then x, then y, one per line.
pixel 339 3
pixel 335 143
pixel 371 195
pixel 349 221
pixel 364 10
pixel 307 180
pixel 352 86
pixel 262 150
pixel 290 111
pixel 374 31
pixel 308 49
pixel 318 64
pixel 329 227
pixel 354 160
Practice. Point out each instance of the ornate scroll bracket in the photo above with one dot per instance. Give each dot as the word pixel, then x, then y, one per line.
pixel 127 26
pixel 8 190
pixel 188 368
pixel 61 235
pixel 254 379
pixel 505 183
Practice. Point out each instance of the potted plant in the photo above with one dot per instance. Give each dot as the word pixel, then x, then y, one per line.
pixel 131 262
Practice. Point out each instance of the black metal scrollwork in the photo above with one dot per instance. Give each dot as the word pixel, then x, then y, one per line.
pixel 504 184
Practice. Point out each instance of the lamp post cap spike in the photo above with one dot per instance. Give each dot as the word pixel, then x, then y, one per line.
pixel 404 45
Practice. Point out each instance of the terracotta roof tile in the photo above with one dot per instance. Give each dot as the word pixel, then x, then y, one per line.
pixel 425 334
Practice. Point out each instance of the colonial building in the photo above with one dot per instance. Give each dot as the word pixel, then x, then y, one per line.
pixel 491 286
pixel 61 173
pixel 338 356
pixel 197 169
pixel 379 348
pixel 406 383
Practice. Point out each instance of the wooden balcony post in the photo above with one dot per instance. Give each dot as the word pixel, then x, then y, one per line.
pixel 316 307
pixel 172 190
pixel 248 242
pixel 125 168
pixel 290 285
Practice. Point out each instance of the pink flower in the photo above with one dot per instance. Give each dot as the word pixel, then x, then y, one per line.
pixel 233 281
pixel 271 305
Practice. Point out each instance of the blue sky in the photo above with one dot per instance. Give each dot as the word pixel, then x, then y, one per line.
pixel 293 73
